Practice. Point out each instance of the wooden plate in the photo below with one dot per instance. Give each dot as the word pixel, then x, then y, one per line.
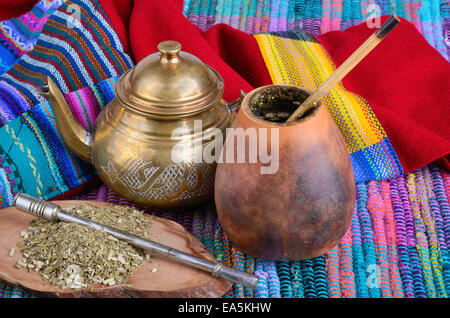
pixel 171 279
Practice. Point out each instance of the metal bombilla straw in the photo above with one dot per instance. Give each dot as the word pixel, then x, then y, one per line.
pixel 345 68
pixel 51 211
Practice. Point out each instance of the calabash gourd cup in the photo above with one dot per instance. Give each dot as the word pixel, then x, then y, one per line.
pixel 303 209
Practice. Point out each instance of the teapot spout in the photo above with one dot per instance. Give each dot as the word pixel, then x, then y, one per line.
pixel 74 135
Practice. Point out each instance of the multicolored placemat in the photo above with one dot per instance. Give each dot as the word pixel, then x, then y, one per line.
pixel 76 53
pixel 431 17
pixel 397 245
pixel 19 35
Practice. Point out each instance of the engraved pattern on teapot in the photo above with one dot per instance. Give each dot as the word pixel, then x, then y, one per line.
pixel 177 181
pixel 131 142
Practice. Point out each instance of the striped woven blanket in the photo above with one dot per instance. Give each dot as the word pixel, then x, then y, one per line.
pixel 397 245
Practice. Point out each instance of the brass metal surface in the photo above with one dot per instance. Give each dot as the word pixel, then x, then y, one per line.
pixel 170 82
pixel 131 145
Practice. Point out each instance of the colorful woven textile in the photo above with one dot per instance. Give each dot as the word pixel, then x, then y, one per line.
pixel 33 141
pixel 19 35
pixel 431 17
pixel 75 52
pixel 296 58
pixel 397 245
pixel 31 149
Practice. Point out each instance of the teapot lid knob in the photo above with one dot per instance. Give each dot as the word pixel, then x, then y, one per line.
pixel 170 82
pixel 169 49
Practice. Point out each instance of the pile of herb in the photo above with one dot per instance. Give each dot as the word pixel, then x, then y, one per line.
pixel 70 255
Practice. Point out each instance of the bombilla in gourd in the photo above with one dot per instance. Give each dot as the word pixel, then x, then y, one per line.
pixel 345 68
pixel 51 211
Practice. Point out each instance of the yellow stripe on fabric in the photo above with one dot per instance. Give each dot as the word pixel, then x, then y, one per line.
pixel 31 161
pixel 45 106
pixel 307 64
pixel 267 57
pixel 53 169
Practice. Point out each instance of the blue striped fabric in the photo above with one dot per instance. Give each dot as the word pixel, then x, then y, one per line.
pixel 431 17
pixel 27 127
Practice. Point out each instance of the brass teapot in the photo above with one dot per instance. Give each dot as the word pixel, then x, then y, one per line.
pixel 155 107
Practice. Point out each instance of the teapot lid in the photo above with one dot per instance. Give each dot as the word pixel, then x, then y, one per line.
pixel 170 82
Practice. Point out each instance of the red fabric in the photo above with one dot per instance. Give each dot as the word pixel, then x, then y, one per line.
pixel 241 52
pixel 407 84
pixel 15 8
pixel 93 183
pixel 234 54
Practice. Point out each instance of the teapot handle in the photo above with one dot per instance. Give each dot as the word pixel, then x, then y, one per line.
pixel 235 105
